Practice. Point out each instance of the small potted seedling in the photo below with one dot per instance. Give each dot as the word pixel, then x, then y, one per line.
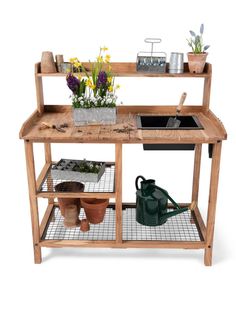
pixel 197 58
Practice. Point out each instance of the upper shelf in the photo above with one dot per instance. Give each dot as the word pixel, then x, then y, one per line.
pixel 128 69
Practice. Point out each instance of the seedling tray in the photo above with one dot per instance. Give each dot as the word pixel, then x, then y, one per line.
pixel 64 170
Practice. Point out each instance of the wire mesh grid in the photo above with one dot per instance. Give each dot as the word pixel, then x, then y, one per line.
pixel 105 184
pixel 178 228
pixel 102 231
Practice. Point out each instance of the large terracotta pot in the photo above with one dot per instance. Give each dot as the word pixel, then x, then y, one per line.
pixel 196 62
pixel 69 186
pixel 95 209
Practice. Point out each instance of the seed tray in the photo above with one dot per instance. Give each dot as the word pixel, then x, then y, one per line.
pixel 64 170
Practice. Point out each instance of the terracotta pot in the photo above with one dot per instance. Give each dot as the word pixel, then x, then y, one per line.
pixel 196 62
pixel 95 209
pixel 47 62
pixel 71 217
pixel 84 225
pixel 69 186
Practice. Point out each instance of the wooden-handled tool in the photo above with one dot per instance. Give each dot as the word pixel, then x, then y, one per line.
pixel 174 122
pixel 60 128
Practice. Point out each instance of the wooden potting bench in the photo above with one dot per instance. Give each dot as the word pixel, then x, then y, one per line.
pixel 120 229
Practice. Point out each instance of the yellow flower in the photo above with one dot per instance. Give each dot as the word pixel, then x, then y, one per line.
pixel 109 68
pixel 117 86
pixel 68 70
pixel 109 79
pixel 93 86
pixel 110 88
pixel 89 83
pixel 99 59
pixel 79 77
pixel 77 64
pixel 104 48
pixel 107 58
pixel 73 60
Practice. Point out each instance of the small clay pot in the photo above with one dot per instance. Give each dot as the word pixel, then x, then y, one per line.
pixel 69 186
pixel 95 209
pixel 71 217
pixel 47 62
pixel 196 62
pixel 59 60
pixel 84 225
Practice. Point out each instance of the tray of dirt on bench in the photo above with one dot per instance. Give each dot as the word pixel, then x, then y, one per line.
pixel 78 170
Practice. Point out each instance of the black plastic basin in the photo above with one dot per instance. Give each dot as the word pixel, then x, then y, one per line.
pixel 160 122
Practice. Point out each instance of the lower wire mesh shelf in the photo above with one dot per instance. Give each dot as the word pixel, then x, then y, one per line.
pixel 178 228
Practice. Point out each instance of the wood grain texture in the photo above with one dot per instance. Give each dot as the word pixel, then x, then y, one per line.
pixel 128 69
pixel 118 192
pixel 33 201
pixel 215 168
pixel 196 172
pixel 213 128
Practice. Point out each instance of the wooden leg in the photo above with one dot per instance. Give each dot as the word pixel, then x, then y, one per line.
pixel 118 187
pixel 33 200
pixel 48 159
pixel 196 173
pixel 215 168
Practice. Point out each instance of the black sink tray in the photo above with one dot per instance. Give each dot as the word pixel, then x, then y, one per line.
pixel 159 123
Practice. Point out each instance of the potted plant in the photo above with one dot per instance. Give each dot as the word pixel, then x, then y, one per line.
pixel 197 58
pixel 93 98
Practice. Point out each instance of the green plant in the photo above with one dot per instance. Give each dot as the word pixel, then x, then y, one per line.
pixel 88 166
pixel 196 41
pixel 97 89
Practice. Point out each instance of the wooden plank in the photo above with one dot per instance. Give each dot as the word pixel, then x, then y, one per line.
pixel 42 175
pixel 164 244
pixel 196 172
pixel 45 219
pixel 48 159
pixel 118 192
pixel 207 90
pixel 128 69
pixel 215 168
pixel 39 90
pixel 200 222
pixel 77 243
pixel 124 244
pixel 99 195
pixel 33 200
pixel 212 132
pixel 27 125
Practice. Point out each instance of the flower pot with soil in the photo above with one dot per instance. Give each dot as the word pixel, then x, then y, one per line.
pixel 69 186
pixel 197 58
pixel 95 209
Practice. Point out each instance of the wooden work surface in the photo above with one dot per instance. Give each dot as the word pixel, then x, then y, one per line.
pixel 125 130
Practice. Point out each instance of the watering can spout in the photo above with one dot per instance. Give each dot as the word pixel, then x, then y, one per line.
pixel 179 211
pixel 173 213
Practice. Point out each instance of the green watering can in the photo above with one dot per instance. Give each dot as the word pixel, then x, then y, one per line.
pixel 151 203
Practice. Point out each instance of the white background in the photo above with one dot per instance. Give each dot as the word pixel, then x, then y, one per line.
pixel 106 280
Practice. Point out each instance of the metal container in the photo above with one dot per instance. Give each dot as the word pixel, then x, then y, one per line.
pixel 66 67
pixel 65 170
pixel 176 64
pixel 151 61
pixel 100 116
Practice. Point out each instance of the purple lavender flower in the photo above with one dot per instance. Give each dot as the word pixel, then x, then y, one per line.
pixel 102 79
pixel 72 82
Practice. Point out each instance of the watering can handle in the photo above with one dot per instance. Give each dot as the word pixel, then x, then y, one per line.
pixel 167 195
pixel 136 181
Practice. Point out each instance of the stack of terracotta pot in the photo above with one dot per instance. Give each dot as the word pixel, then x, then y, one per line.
pixel 95 209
